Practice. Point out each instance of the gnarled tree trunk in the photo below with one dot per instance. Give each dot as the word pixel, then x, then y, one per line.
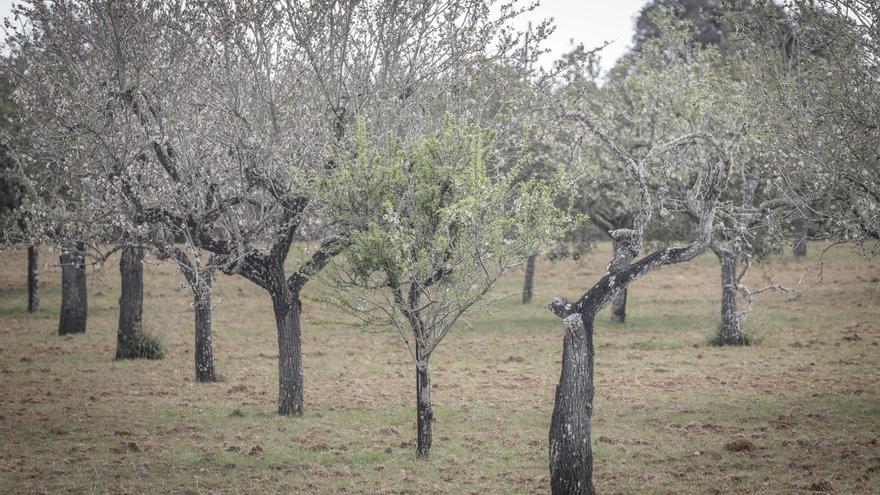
pixel 800 235
pixel 74 295
pixel 729 332
pixel 32 280
pixel 204 339
pixel 131 300
pixel 571 455
pixel 287 307
pixel 529 284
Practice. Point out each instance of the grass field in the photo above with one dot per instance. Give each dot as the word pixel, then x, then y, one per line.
pixel 803 405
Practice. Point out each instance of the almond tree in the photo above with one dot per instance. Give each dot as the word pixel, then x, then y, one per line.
pixel 819 85
pixel 433 225
pixel 213 122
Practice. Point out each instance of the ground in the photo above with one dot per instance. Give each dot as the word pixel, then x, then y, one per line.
pixel 799 412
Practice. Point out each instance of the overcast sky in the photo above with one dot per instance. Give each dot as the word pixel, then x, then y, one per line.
pixel 591 22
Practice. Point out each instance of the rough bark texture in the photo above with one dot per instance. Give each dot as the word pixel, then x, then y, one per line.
pixel 131 301
pixel 529 284
pixel 32 280
pixel 204 339
pixel 729 332
pixel 287 307
pixel 74 295
pixel 800 235
pixel 571 456
pixel 424 411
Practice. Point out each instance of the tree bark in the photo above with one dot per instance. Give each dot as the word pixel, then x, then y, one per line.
pixel 32 280
pixel 74 295
pixel 131 301
pixel 618 305
pixel 204 339
pixel 729 332
pixel 287 307
pixel 529 284
pixel 424 410
pixel 800 235
pixel 571 455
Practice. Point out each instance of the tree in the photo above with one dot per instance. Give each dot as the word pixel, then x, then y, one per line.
pixel 213 122
pixel 434 223
pixel 11 190
pixel 819 84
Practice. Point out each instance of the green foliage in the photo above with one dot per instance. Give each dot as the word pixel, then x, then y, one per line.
pixel 439 219
pixel 143 345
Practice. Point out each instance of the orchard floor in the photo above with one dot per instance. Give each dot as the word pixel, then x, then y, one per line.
pixel 668 405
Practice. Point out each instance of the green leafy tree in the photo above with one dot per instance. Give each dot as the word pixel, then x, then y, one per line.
pixel 433 224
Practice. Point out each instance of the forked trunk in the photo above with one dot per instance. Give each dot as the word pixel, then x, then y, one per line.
pixel 571 455
pixel 204 339
pixel 32 281
pixel 424 411
pixel 131 301
pixel 74 295
pixel 529 284
pixel 729 332
pixel 287 307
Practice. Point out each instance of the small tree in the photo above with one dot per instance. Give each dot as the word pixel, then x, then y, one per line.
pixel 433 225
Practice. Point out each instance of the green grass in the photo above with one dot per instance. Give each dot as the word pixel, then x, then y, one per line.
pixel 807 395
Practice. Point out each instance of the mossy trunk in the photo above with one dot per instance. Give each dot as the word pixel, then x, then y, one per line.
pixel 287 307
pixel 529 284
pixel 131 301
pixel 33 304
pixel 571 455
pixel 74 294
pixel 730 332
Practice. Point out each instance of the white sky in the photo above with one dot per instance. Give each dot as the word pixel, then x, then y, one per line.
pixel 591 22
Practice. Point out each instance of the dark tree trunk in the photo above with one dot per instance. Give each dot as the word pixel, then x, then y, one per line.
pixel 204 340
pixel 729 332
pixel 32 281
pixel 529 284
pixel 800 235
pixel 74 295
pixel 424 410
pixel 618 305
pixel 571 455
pixel 287 307
pixel 131 301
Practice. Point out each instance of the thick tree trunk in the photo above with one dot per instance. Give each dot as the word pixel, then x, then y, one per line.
pixel 800 235
pixel 32 280
pixel 618 305
pixel 529 284
pixel 571 455
pixel 74 295
pixel 204 340
pixel 729 332
pixel 424 411
pixel 131 301
pixel 287 307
